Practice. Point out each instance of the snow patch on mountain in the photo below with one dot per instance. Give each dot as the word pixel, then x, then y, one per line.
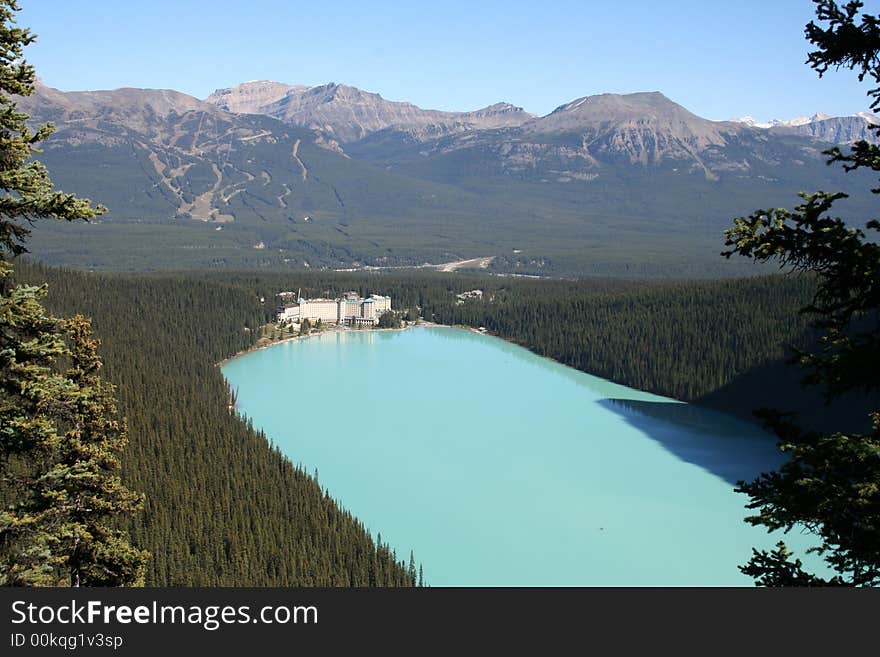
pixel 799 120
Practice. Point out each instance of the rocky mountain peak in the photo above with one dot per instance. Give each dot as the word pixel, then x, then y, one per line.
pixel 616 107
pixel 643 127
pixel 139 109
pixel 339 93
pixel 498 108
pixel 252 97
pixel 507 110
pixel 344 113
pixel 497 115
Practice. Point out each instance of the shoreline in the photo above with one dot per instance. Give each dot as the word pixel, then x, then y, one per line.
pixel 741 416
pixel 333 329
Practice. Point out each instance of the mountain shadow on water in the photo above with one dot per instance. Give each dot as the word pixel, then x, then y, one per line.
pixel 721 444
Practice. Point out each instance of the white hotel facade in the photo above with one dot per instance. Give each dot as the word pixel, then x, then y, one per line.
pixel 349 309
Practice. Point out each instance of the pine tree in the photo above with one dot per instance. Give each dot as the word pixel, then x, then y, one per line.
pixel 411 571
pixel 60 436
pixel 831 484
pixel 83 490
pixel 61 441
pixel 30 344
pixel 29 192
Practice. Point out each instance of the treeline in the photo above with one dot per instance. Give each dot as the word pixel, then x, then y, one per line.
pixel 724 343
pixel 226 508
pixel 223 507
pixel 681 339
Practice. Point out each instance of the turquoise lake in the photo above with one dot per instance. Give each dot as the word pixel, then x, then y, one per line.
pixel 499 467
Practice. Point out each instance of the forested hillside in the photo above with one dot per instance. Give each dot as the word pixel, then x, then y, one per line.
pixel 681 339
pixel 222 506
pixel 722 343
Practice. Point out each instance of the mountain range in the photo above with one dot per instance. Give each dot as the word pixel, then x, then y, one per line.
pixel 346 114
pixel 823 127
pixel 277 175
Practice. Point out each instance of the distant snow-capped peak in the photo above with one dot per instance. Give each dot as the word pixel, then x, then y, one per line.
pixel 751 121
pixel 798 120
pixel 870 118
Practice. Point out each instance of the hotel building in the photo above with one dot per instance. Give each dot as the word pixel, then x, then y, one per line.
pixel 349 309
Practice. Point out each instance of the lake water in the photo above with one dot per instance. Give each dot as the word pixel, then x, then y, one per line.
pixel 499 467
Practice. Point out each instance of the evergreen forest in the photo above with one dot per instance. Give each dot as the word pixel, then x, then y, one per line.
pixel 223 507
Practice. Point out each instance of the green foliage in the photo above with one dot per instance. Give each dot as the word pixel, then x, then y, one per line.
pixel 683 339
pixel 61 495
pixel 28 191
pixel 831 484
pixel 777 568
pixel 223 506
pixel 389 319
pixel 848 267
pixel 679 339
pixel 850 40
pixel 31 344
pixel 253 518
pixel 60 442
pixel 82 491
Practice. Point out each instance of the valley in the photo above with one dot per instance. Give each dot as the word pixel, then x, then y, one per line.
pixel 518 301
pixel 297 177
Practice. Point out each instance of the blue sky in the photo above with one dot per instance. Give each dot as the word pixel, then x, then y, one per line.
pixel 718 59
